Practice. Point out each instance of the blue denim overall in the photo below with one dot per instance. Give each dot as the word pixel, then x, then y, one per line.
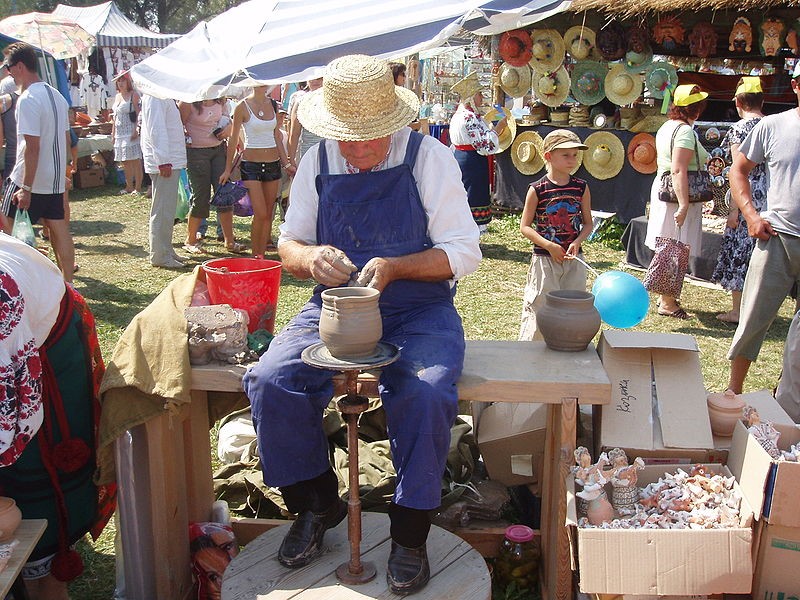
pixel 366 215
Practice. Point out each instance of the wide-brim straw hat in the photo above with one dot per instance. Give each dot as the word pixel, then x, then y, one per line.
pixel 636 62
pixel 468 86
pixel 527 154
pixel 358 101
pixel 551 89
pixel 515 47
pixel 605 156
pixel 515 81
pixel 623 87
pixel 579 42
pixel 659 76
pixel 649 124
pixel 547 50
pixel 642 153
pixel 588 82
pixel 507 137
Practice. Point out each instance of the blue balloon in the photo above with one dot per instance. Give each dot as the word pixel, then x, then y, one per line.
pixel 621 299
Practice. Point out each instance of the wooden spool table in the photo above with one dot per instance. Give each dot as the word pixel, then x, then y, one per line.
pixel 457 569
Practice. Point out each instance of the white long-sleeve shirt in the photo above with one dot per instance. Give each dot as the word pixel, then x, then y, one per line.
pixel 450 224
pixel 162 138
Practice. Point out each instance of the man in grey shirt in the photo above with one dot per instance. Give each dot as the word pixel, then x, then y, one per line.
pixel 775 263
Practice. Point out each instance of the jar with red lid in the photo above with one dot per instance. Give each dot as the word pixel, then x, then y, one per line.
pixel 518 560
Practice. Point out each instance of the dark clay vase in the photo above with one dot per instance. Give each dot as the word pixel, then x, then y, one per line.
pixel 568 321
pixel 350 322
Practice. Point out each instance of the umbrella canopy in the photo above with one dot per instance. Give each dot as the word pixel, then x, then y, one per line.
pixel 276 41
pixel 59 36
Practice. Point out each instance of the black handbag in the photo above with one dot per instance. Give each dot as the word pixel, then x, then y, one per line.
pixel 132 113
pixel 700 187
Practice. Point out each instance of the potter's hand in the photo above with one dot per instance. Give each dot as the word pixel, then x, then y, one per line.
pixel 377 273
pixel 330 266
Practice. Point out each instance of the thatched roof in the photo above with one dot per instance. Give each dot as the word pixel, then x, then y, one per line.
pixel 632 8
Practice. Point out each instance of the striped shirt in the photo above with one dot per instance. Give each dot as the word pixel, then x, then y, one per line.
pixel 558 215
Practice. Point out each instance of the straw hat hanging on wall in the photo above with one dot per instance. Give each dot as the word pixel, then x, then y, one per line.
pixel 659 76
pixel 623 87
pixel 605 156
pixel 551 89
pixel 579 42
pixel 515 81
pixel 527 154
pixel 548 50
pixel 515 47
pixel 642 153
pixel 588 82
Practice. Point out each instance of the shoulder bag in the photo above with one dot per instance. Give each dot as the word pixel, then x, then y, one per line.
pixel 700 189
pixel 132 112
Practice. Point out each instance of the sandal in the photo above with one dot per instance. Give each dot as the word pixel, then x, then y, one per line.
pixel 728 318
pixel 193 249
pixel 678 313
pixel 236 248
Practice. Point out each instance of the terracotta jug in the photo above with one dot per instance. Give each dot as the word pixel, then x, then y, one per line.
pixel 10 518
pixel 350 322
pixel 568 320
pixel 724 410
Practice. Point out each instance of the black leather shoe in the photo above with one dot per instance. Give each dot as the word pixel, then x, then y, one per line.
pixel 304 540
pixel 409 570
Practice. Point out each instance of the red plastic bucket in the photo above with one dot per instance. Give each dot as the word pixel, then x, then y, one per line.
pixel 251 284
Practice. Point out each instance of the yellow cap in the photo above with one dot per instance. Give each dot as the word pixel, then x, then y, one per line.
pixel 683 95
pixel 749 85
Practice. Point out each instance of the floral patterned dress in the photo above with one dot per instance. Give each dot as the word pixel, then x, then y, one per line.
pixel 737 245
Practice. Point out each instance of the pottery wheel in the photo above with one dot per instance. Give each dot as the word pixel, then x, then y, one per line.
pixel 317 355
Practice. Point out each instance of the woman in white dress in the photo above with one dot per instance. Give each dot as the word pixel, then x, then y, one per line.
pixel 125 134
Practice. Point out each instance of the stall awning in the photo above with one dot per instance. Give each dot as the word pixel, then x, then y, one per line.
pixel 112 28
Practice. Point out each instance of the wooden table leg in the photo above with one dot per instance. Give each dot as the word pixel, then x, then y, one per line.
pixel 197 459
pixel 559 449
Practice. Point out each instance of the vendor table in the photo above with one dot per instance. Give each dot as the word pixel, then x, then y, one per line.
pixel 28 534
pixel 637 254
pixel 94 143
pixel 171 465
pixel 625 194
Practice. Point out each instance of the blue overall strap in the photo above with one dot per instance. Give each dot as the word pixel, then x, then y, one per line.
pixel 323 158
pixel 412 148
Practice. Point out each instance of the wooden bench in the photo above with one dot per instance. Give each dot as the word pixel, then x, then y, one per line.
pixel 172 462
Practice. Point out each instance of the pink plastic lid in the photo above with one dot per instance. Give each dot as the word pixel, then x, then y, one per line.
pixel 519 533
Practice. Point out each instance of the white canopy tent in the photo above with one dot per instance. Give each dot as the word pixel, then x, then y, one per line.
pixel 112 28
pixel 276 41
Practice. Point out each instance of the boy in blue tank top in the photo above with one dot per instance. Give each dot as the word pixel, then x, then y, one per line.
pixel 556 218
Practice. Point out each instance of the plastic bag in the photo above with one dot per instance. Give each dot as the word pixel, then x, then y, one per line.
pixel 23 230
pixel 184 193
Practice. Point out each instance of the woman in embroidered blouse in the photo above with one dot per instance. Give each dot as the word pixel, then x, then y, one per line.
pixel 473 140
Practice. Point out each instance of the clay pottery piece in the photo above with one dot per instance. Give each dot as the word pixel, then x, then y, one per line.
pixel 568 321
pixel 724 410
pixel 10 518
pixel 600 510
pixel 350 322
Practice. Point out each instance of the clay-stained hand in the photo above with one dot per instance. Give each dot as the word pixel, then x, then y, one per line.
pixel 377 273
pixel 330 266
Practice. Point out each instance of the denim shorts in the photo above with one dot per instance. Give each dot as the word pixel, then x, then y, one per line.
pixel 260 171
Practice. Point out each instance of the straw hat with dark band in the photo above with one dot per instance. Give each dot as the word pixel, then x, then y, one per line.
pixel 605 155
pixel 358 101
pixel 527 154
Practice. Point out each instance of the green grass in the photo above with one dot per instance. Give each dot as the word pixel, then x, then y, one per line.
pixel 111 233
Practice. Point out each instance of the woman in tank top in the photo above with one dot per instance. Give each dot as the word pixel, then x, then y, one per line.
pixel 262 159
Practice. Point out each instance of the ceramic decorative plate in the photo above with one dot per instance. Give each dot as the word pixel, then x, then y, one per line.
pixel 717 152
pixel 712 134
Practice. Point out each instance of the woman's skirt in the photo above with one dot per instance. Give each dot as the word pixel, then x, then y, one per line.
pixel 475 177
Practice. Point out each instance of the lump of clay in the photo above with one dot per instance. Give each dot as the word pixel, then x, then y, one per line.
pixel 216 332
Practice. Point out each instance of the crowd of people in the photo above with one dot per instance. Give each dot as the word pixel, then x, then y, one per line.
pixel 354 165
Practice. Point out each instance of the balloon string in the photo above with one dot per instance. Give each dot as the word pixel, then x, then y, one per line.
pixel 596 274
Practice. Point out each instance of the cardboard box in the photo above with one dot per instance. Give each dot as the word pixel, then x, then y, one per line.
pixel 658 399
pixel 773 486
pixel 511 440
pixel 778 567
pixel 663 561
pixel 89 178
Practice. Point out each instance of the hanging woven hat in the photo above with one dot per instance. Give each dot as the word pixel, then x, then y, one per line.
pixel 515 47
pixel 611 41
pixel 515 81
pixel 642 153
pixel 579 42
pixel 507 137
pixel 527 154
pixel 622 86
pixel 548 50
pixel 605 156
pixel 466 87
pixel 638 53
pixel 357 81
pixel 588 82
pixel 551 89
pixel 659 76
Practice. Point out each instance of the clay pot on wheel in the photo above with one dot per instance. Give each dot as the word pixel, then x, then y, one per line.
pixel 10 518
pixel 350 322
pixel 723 411
pixel 568 321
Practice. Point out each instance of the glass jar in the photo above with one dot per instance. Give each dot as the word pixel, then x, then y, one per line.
pixel 518 560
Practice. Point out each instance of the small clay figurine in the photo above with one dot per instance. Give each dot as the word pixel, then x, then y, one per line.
pixel 766 435
pixel 623 482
